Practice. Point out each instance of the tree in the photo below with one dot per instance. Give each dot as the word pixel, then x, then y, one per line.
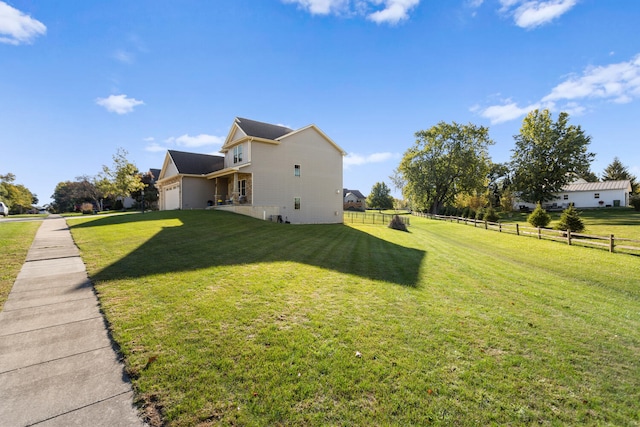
pixel 380 197
pixel 120 180
pixel 69 195
pixel 616 171
pixel 446 160
pixel 539 217
pixel 548 155
pixel 16 196
pixel 150 190
pixel 570 220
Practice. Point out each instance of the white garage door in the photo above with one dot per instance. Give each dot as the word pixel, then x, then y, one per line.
pixel 172 198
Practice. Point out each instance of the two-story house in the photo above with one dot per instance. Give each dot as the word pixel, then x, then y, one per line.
pixel 266 171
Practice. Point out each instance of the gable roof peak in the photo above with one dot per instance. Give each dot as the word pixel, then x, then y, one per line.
pixel 261 129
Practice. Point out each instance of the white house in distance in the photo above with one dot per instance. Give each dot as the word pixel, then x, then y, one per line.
pixel 266 171
pixel 585 194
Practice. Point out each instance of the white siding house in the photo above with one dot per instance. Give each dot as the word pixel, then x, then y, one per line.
pixel 585 194
pixel 268 172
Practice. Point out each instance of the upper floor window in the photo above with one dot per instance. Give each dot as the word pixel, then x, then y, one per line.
pixel 237 154
pixel 296 170
pixel 596 195
pixel 565 197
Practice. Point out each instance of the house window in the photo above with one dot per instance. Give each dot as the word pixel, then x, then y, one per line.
pixel 242 187
pixel 237 154
pixel 596 195
pixel 565 197
pixel 296 203
pixel 296 170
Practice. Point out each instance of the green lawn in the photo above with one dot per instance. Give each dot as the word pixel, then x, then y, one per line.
pixel 227 320
pixel 15 241
pixel 621 222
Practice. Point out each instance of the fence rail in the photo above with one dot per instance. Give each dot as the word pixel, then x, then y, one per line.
pixel 609 242
pixel 373 218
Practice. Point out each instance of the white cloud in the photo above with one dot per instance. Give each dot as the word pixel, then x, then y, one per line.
pixel 618 83
pixel 119 104
pixel 506 112
pixel 353 159
pixel 392 12
pixel 534 13
pixel 16 27
pixel 154 147
pixel 201 140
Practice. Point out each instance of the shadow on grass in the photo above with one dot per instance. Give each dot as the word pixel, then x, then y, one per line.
pixel 213 238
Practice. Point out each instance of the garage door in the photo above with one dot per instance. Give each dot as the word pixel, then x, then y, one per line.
pixel 172 198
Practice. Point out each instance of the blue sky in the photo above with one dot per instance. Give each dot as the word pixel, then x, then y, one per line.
pixel 79 79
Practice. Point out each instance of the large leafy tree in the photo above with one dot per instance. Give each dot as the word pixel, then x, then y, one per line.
pixel 616 171
pixel 121 179
pixel 447 159
pixel 548 155
pixel 380 197
pixel 69 194
pixel 16 196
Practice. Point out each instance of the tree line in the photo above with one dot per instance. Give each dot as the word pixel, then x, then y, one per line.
pixel 106 190
pixel 449 166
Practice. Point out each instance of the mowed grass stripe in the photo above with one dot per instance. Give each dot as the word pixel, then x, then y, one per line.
pixel 224 319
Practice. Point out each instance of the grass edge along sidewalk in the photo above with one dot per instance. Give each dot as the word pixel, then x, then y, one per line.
pixel 221 322
pixel 15 241
pixel 609 242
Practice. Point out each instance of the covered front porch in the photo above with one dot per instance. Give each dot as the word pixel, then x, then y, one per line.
pixel 232 187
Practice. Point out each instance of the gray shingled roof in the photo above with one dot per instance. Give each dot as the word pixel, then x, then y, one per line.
pixel 196 164
pixel 155 173
pixel 356 193
pixel 262 130
pixel 596 186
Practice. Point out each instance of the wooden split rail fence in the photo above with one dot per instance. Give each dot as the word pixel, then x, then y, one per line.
pixel 610 242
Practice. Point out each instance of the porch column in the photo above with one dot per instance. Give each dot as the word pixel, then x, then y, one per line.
pixel 236 192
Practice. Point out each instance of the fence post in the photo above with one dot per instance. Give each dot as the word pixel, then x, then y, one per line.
pixel 475 222
pixel 486 225
pixel 611 243
pixel 517 229
pixel 499 227
pixel 539 233
pixel 569 236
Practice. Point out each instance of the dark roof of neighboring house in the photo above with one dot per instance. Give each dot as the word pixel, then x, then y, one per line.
pixel 196 164
pixel 155 173
pixel 262 130
pixel 356 193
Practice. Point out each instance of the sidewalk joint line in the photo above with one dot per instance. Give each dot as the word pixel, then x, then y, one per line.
pixel 54 326
pixel 55 360
pixel 81 407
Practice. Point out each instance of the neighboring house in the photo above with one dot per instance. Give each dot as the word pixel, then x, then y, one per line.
pixel 353 200
pixel 585 194
pixel 267 171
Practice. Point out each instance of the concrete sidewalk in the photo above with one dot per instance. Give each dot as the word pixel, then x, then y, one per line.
pixel 57 363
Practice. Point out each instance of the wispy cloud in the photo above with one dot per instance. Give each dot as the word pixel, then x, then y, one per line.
pixel 18 28
pixel 353 159
pixel 119 104
pixel 123 56
pixel 534 13
pixel 201 140
pixel 378 11
pixel 618 83
pixel 186 140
